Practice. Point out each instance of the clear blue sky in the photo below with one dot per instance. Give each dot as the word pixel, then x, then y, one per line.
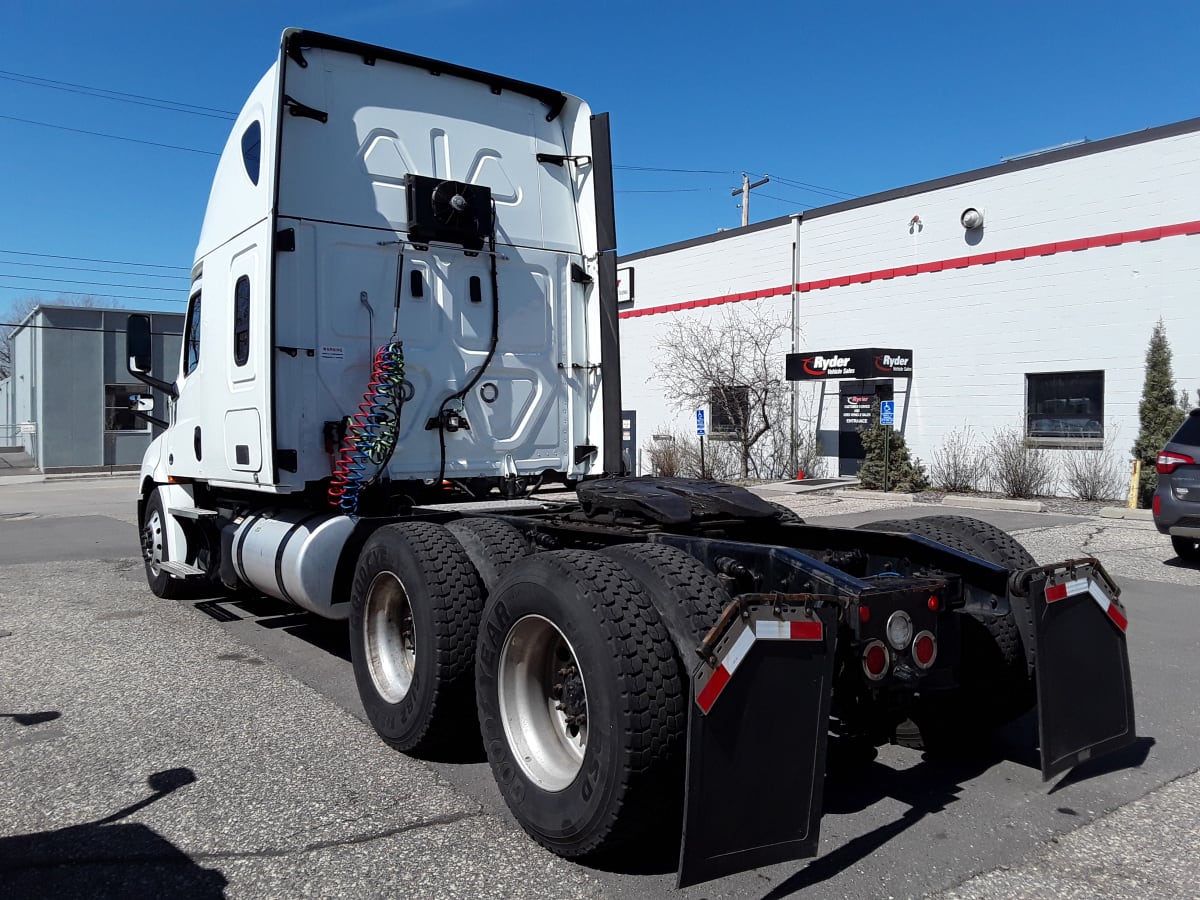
pixel 851 97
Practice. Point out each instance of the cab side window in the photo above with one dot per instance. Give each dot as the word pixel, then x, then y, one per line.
pixel 191 336
pixel 241 321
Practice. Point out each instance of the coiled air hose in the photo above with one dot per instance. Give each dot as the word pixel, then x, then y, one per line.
pixel 371 436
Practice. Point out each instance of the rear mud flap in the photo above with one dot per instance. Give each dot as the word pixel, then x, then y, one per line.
pixel 756 746
pixel 1084 691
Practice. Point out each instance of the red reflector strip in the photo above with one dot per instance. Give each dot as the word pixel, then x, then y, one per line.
pixel 807 631
pixel 774 630
pixel 1066 589
pixel 1110 608
pixel 713 689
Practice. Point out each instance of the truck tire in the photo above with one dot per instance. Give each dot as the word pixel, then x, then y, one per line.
pixel 994 684
pixel 1000 546
pixel 414 619
pixel 491 544
pixel 687 597
pixel 154 552
pixel 581 704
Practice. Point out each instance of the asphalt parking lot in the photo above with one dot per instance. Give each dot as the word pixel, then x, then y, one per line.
pixel 218 749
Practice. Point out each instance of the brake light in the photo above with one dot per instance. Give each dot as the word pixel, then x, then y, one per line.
pixel 924 650
pixel 1169 461
pixel 875 660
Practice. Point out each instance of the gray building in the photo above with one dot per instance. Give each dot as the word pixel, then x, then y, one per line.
pixel 67 399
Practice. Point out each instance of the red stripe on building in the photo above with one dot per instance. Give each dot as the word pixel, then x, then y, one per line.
pixel 960 262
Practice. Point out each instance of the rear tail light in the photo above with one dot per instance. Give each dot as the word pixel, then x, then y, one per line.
pixel 1157 505
pixel 924 650
pixel 875 660
pixel 1168 461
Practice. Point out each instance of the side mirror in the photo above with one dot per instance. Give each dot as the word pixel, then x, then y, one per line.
pixel 141 403
pixel 139 355
pixel 138 348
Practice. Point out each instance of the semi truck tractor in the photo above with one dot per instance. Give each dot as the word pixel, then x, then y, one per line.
pixel 402 324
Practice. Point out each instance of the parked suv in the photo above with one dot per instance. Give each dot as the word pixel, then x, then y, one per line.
pixel 1177 500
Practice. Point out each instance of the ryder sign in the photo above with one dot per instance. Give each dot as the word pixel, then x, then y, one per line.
pixel 865 362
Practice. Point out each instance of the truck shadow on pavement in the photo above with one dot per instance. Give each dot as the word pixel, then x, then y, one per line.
pixel 107 858
pixel 327 635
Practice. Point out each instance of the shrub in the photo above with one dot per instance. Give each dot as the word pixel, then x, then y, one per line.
pixel 1017 469
pixel 903 472
pixel 959 463
pixel 1157 412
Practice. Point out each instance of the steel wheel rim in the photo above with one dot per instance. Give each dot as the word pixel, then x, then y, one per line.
pixel 390 637
pixel 152 542
pixel 547 746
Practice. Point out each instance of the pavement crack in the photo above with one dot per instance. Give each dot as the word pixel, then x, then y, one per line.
pixel 353 840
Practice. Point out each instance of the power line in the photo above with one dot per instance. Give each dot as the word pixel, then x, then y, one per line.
pixel 683 171
pixel 111 262
pixel 120 96
pixel 666 191
pixel 94 283
pixel 816 188
pixel 115 137
pixel 22 287
pixel 13 262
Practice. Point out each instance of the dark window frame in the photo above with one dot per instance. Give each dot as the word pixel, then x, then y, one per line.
pixel 241 321
pixel 1065 409
pixel 191 335
pixel 722 419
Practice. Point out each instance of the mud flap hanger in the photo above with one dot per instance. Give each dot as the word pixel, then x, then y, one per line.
pixel 1071 615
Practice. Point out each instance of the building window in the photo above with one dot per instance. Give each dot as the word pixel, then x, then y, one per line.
pixel 729 407
pixel 120 400
pixel 252 150
pixel 191 336
pixel 241 321
pixel 1064 406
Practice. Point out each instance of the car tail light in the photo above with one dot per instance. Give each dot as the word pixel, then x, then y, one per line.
pixel 875 660
pixel 924 650
pixel 1157 505
pixel 1168 461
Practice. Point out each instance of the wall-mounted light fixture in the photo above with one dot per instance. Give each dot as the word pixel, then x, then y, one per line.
pixel 971 218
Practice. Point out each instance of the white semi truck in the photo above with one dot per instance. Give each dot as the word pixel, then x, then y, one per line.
pixel 403 295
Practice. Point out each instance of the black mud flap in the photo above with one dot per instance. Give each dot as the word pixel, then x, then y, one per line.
pixel 1085 694
pixel 756 744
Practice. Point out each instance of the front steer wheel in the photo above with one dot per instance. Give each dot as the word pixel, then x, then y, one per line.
pixel 414 617
pixel 154 552
pixel 581 704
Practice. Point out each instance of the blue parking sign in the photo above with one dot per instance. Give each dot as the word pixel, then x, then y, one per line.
pixel 887 412
pixel 700 422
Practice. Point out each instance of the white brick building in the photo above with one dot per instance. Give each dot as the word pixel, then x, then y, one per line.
pixel 1037 320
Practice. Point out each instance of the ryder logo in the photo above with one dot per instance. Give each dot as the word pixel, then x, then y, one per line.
pixel 888 363
pixel 823 365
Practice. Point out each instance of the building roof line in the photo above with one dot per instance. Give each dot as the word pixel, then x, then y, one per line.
pixel 1026 161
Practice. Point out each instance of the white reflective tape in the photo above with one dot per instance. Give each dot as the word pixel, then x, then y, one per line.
pixel 1078 586
pixel 773 630
pixel 738 651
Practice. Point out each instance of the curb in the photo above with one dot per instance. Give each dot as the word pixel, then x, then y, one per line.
pixel 993 503
pixel 1122 512
pixel 894 496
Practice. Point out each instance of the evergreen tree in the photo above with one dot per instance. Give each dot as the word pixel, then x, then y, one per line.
pixel 1158 412
pixel 903 472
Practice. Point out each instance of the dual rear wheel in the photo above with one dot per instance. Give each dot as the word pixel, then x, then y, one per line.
pixel 563 661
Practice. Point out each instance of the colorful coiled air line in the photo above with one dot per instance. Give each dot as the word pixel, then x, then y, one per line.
pixel 371 436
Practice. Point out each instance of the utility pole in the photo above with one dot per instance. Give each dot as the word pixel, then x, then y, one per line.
pixel 745 190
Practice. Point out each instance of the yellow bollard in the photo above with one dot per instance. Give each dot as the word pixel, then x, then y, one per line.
pixel 1133 483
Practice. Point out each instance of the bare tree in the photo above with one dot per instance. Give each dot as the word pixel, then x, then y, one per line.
pixel 732 364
